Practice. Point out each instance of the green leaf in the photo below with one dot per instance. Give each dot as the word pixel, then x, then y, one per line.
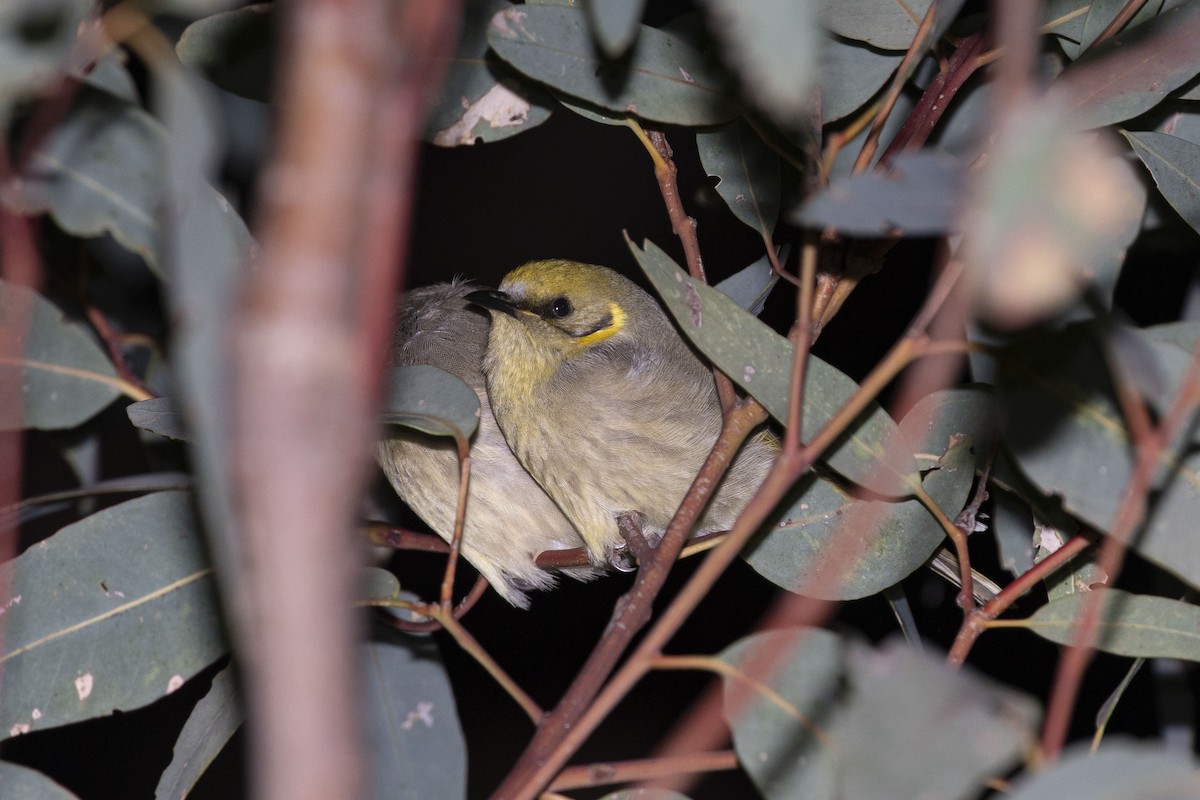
pixel 1129 624
pixel 919 195
pixel 417 747
pixel 1067 434
pixel 1175 165
pixel 886 24
pixel 901 537
pixel 774 45
pixel 35 36
pixel 785 747
pixel 749 286
pixel 430 400
pixel 111 613
pixel 747 173
pixel 158 415
pixel 1132 72
pixel 661 79
pixel 101 170
pixel 234 50
pixel 65 377
pixel 208 729
pixel 615 24
pixel 1119 770
pixel 851 74
pixel 1081 31
pixel 480 100
pixel 852 721
pixel 760 361
pixel 376 583
pixel 29 784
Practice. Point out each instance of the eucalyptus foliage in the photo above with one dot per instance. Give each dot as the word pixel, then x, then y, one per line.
pixel 1039 200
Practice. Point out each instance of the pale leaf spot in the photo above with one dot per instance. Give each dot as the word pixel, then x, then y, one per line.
pixel 83 685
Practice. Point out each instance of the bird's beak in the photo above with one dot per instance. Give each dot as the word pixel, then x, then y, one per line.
pixel 493 300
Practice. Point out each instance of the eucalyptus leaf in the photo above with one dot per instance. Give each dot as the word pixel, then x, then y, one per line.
pixel 431 400
pixel 1067 434
pixel 661 79
pixel 1175 165
pixel 834 547
pixel 1081 30
pixel 29 784
pixel 158 415
pixel 1129 624
pixel 417 751
pixel 775 47
pixel 376 583
pixel 480 100
pixel 852 721
pixel 111 613
pixel 234 50
pixel 760 361
pixel 851 74
pixel 1132 72
pixel 65 377
pixel 886 24
pixel 208 729
pixel 920 194
pixel 747 173
pixel 749 286
pixel 1119 770
pixel 615 24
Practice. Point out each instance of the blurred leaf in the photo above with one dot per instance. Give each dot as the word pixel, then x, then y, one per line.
pixel 615 24
pixel 1050 213
pixel 889 541
pixel 417 749
pixel 907 709
pixel 101 171
pixel 747 173
pixel 1130 73
pixel 1119 770
pixel 65 377
pixel 851 74
pixel 1175 165
pixel 430 400
pixel 662 79
pixel 866 723
pixel 158 415
pixel 886 24
pixel 774 45
pixel 376 583
pixel 234 50
pixel 749 286
pixel 35 36
pixel 760 361
pixel 208 729
pixel 1129 625
pixel 1081 31
pixel 1066 432
pixel 644 794
pixel 919 195
pixel 479 99
pixel 23 783
pixel 109 614
pixel 786 747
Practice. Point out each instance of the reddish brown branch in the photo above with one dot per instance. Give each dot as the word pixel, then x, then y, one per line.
pixel 644 769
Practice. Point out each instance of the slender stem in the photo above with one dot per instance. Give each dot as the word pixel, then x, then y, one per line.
pixel 460 517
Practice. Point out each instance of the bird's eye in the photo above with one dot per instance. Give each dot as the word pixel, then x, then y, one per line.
pixel 560 307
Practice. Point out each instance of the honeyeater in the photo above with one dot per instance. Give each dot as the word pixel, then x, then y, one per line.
pixel 509 519
pixel 604 403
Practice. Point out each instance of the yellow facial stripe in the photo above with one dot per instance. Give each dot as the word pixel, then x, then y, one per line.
pixel 618 322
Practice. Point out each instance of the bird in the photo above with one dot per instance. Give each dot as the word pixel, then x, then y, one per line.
pixel 509 519
pixel 604 403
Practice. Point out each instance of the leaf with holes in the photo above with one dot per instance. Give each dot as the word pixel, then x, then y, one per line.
pixel 109 614
pixel 747 173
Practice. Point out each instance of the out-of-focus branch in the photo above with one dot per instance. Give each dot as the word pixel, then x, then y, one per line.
pixel 306 358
